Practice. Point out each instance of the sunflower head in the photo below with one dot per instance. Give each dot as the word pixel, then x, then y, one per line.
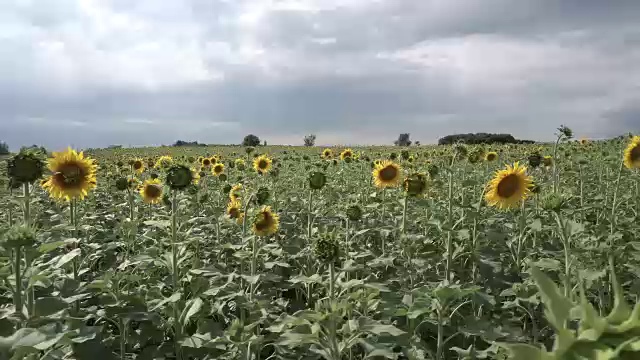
pixel 317 180
pixel 73 175
pixel 206 162
pixel 535 160
pixel 509 187
pixel 138 165
pixel 122 184
pixel 547 160
pixel 234 210
pixel 327 153
pixel 632 154
pixel 218 169
pixel 346 153
pixel 266 222
pixel 179 177
pixel 236 192
pixel 25 167
pixel 415 184
pixel 490 156
pixel 387 174
pixel 151 191
pixel 164 162
pixel 19 236
pixel 262 164
pixel 584 141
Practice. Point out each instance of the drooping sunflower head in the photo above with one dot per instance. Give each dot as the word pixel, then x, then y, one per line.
pixel 509 187
pixel 164 162
pixel 236 192
pixel 151 191
pixel 632 154
pixel 218 169
pixel 346 154
pixel 415 184
pixel 387 174
pixel 266 222
pixel 490 156
pixel 138 165
pixel 179 177
pixel 547 160
pixel 327 153
pixel 262 164
pixel 73 175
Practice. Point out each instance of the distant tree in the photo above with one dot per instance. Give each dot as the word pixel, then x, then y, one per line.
pixel 188 143
pixel 251 140
pixel 481 138
pixel 417 143
pixel 310 140
pixel 264 143
pixel 403 140
pixel 4 148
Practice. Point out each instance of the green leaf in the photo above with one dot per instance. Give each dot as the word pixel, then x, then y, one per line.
pixel 369 325
pixel 526 352
pixel 558 307
pixel 67 257
pixel 46 306
pixel 191 308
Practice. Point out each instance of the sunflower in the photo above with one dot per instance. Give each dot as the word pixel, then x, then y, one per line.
pixel 547 160
pixel 164 162
pixel 491 156
pixel 206 162
pixel 509 187
pixel 262 164
pixel 218 169
pixel 239 162
pixel 387 174
pixel 584 141
pixel 73 175
pixel 236 192
pixel 265 222
pixel 138 165
pixel 632 154
pixel 327 153
pixel 234 211
pixel 151 191
pixel 346 153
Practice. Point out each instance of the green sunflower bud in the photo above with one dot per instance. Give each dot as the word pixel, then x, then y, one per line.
pixel 553 202
pixel 222 177
pixel 19 236
pixel 262 195
pixel 354 213
pixel 432 170
pixel 317 180
pixel 405 154
pixel 327 249
pixel 122 184
pixel 226 189
pixel 534 160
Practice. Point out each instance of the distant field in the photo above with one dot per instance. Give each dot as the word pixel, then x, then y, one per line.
pixel 337 270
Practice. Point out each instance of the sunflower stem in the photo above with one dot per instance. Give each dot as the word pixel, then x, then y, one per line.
pixel 27 204
pixel 382 221
pixel 404 213
pixel 73 208
pixel 17 295
pixel 449 222
pixel 309 216
pixel 174 270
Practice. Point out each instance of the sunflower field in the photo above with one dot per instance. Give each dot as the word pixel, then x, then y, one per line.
pixel 429 252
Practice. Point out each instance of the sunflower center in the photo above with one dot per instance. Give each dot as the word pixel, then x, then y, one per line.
pixel 490 157
pixel 508 186
pixel 234 212
pixel 70 175
pixel 218 169
pixel 388 173
pixel 635 153
pixel 137 165
pixel 153 191
pixel 264 222
pixel 262 164
pixel 206 162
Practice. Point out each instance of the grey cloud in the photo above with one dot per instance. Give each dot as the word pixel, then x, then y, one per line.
pixel 350 71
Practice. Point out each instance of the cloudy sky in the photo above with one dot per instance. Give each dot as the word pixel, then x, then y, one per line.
pixel 90 73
